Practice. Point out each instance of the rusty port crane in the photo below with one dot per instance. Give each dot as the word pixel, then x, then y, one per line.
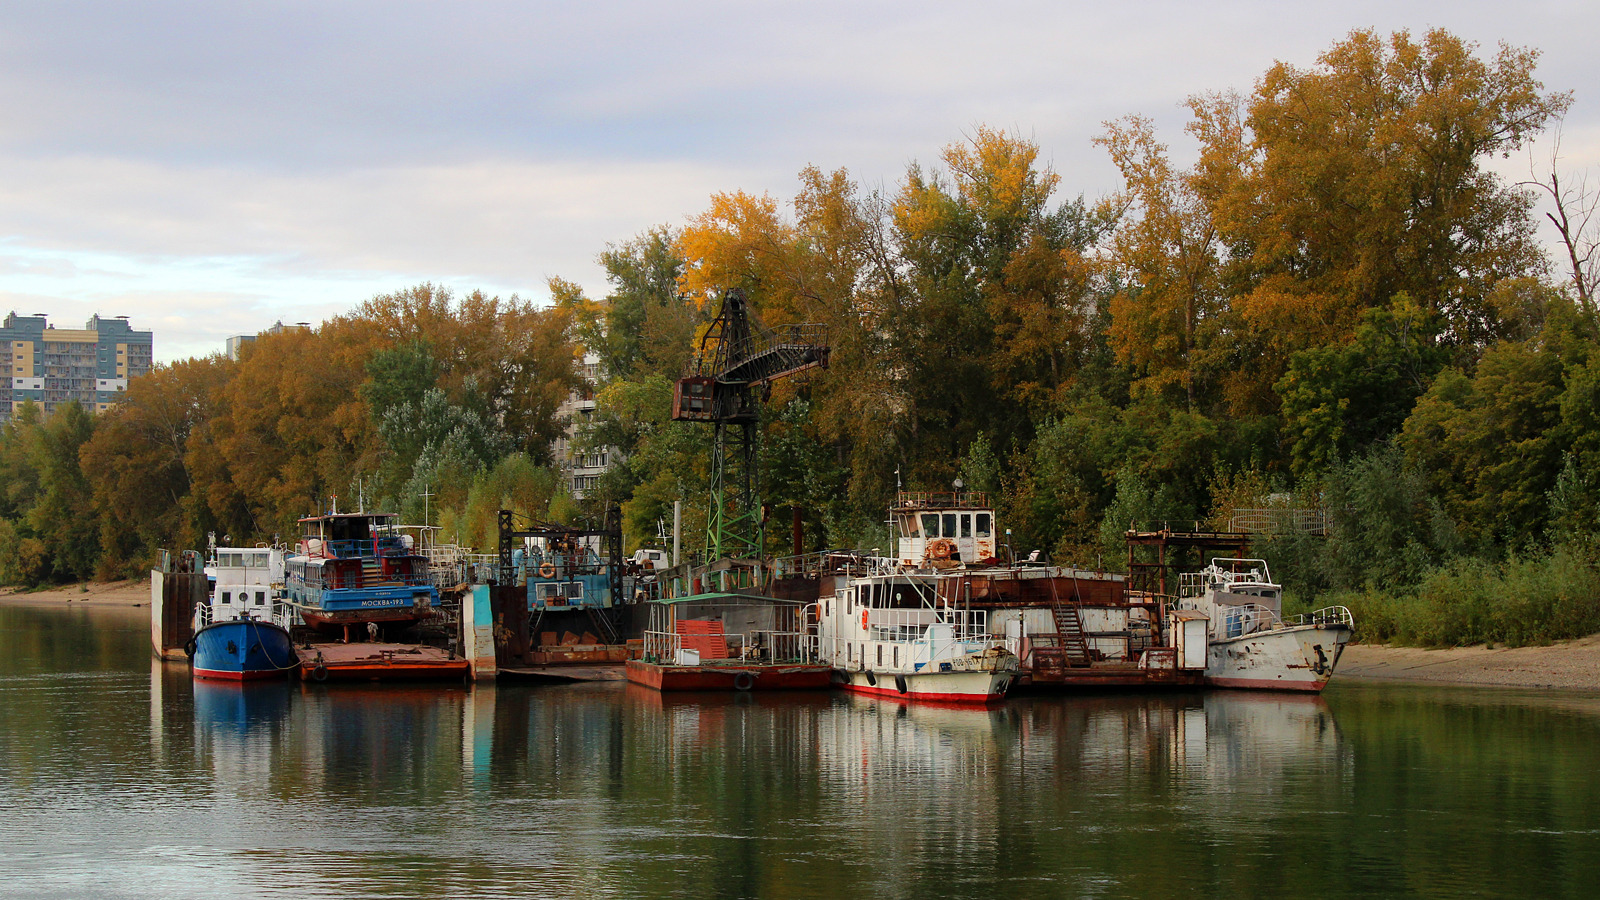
pixel 728 380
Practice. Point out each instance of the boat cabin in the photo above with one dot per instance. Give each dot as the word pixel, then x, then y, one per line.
pixel 942 529
pixel 353 535
pixel 244 582
pixel 1238 595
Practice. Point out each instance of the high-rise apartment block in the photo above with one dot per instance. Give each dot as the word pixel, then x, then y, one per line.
pixel 51 366
pixel 582 469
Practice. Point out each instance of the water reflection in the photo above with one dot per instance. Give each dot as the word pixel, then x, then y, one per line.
pixel 125 778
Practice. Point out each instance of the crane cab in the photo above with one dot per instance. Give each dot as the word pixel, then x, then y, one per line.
pixel 692 399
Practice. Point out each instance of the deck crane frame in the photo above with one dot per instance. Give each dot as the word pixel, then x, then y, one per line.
pixel 727 381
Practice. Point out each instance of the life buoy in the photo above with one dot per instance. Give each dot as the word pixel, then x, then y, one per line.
pixel 864 619
pixel 548 570
pixel 941 549
pixel 744 681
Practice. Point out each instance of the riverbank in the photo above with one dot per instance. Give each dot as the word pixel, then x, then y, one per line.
pixel 134 592
pixel 1567 665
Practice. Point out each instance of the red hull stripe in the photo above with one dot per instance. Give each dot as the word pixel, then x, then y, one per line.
pixel 944 699
pixel 1267 684
pixel 224 675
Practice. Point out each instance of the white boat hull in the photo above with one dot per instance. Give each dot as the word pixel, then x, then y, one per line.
pixel 1295 658
pixel 975 688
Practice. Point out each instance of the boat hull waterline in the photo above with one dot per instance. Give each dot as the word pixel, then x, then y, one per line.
pixel 243 650
pixel 943 688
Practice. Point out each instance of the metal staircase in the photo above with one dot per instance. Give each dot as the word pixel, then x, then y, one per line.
pixel 1072 645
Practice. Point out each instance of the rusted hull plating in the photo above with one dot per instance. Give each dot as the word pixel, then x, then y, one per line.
pixel 1282 659
pixel 380 662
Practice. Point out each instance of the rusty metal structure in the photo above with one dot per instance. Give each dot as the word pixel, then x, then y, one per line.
pixel 729 378
pixel 1154 577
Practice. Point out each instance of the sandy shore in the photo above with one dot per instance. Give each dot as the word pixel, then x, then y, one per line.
pixel 1569 665
pixel 90 593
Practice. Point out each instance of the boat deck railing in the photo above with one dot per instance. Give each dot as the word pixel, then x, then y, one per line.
pixel 908 625
pixel 366 547
pixel 1328 615
pixel 661 647
pixel 1250 618
pixel 831 562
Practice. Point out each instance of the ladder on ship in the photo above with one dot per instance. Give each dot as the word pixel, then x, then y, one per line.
pixel 1071 643
pixel 371 571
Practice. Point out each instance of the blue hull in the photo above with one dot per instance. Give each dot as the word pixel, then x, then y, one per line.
pixel 243 649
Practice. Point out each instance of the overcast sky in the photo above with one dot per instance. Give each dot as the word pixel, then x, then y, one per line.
pixel 208 168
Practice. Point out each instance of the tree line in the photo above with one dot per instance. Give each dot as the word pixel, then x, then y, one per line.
pixel 1337 306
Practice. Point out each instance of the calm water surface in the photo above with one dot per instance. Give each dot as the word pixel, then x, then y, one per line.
pixel 119 777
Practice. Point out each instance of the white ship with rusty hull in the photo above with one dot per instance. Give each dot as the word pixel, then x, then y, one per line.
pixel 890 634
pixel 1250 643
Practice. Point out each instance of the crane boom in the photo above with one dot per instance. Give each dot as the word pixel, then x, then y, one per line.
pixel 738 361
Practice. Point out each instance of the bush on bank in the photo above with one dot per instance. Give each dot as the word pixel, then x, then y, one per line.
pixel 1530 599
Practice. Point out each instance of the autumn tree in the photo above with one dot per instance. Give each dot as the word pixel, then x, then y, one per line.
pixel 1165 254
pixel 138 464
pixel 1362 178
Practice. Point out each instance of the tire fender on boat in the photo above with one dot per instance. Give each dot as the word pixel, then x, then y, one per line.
pixel 872 679
pixel 900 683
pixel 320 673
pixel 189 648
pixel 744 681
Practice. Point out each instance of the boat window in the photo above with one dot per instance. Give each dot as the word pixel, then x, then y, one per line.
pixel 966 525
pixel 983 525
pixel 827 607
pixel 227 597
pixel 897 656
pixel 850 652
pixel 261 598
pixel 949 525
pixel 930 525
pixel 880 654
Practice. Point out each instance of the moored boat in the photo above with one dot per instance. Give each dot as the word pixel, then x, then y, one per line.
pixel 891 634
pixel 1251 644
pixel 351 569
pixel 235 637
pixel 725 640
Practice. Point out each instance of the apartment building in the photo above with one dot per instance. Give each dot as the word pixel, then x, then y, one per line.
pixel 581 470
pixel 236 343
pixel 51 366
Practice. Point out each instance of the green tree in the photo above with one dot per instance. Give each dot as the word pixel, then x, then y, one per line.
pixel 1338 399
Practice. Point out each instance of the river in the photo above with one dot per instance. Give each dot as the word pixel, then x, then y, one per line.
pixel 120 777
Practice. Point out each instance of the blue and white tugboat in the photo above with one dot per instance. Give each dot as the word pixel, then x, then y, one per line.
pixel 351 569
pixel 360 583
pixel 235 637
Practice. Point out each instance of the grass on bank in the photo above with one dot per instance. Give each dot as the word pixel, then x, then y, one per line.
pixel 1526 600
